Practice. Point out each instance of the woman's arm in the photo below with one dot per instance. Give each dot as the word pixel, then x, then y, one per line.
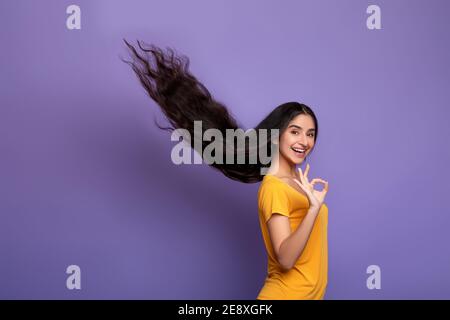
pixel 289 246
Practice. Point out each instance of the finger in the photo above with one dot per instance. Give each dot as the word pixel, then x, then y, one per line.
pixel 303 187
pixel 325 189
pixel 300 184
pixel 318 180
pixel 306 171
pixel 304 180
pixel 300 173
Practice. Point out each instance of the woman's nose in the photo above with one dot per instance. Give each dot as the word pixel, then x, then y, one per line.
pixel 302 139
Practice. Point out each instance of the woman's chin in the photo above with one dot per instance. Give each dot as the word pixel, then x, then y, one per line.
pixel 297 160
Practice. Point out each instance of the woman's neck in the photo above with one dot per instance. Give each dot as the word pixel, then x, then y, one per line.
pixel 281 167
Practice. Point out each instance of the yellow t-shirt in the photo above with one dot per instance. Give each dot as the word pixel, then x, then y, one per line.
pixel 308 278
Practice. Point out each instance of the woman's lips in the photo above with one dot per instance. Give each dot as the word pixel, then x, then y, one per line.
pixel 299 154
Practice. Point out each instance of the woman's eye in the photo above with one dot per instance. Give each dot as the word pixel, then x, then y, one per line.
pixel 294 132
pixel 311 134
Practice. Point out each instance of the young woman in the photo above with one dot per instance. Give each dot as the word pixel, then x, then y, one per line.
pixel 292 214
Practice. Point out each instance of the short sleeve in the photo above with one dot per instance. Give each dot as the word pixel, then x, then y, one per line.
pixel 273 199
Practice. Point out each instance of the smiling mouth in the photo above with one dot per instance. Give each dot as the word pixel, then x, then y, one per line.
pixel 299 151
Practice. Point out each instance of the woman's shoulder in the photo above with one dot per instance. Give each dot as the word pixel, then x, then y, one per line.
pixel 268 180
pixel 271 183
pixel 272 192
pixel 271 180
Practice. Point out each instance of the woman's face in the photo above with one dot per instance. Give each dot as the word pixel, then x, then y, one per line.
pixel 297 140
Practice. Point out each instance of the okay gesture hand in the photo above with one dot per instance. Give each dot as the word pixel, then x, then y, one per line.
pixel 315 197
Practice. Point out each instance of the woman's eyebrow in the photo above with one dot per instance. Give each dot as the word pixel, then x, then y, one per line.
pixel 294 125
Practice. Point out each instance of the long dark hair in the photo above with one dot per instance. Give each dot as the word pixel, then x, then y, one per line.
pixel 183 99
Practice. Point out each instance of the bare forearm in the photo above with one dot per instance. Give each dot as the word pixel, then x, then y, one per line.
pixel 292 247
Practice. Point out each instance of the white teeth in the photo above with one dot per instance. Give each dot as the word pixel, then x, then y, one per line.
pixel 298 150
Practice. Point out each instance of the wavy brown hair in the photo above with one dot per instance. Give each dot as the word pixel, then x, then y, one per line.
pixel 183 99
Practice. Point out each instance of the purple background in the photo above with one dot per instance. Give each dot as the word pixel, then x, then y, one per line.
pixel 86 178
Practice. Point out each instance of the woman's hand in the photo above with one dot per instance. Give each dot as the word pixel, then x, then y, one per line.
pixel 315 197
